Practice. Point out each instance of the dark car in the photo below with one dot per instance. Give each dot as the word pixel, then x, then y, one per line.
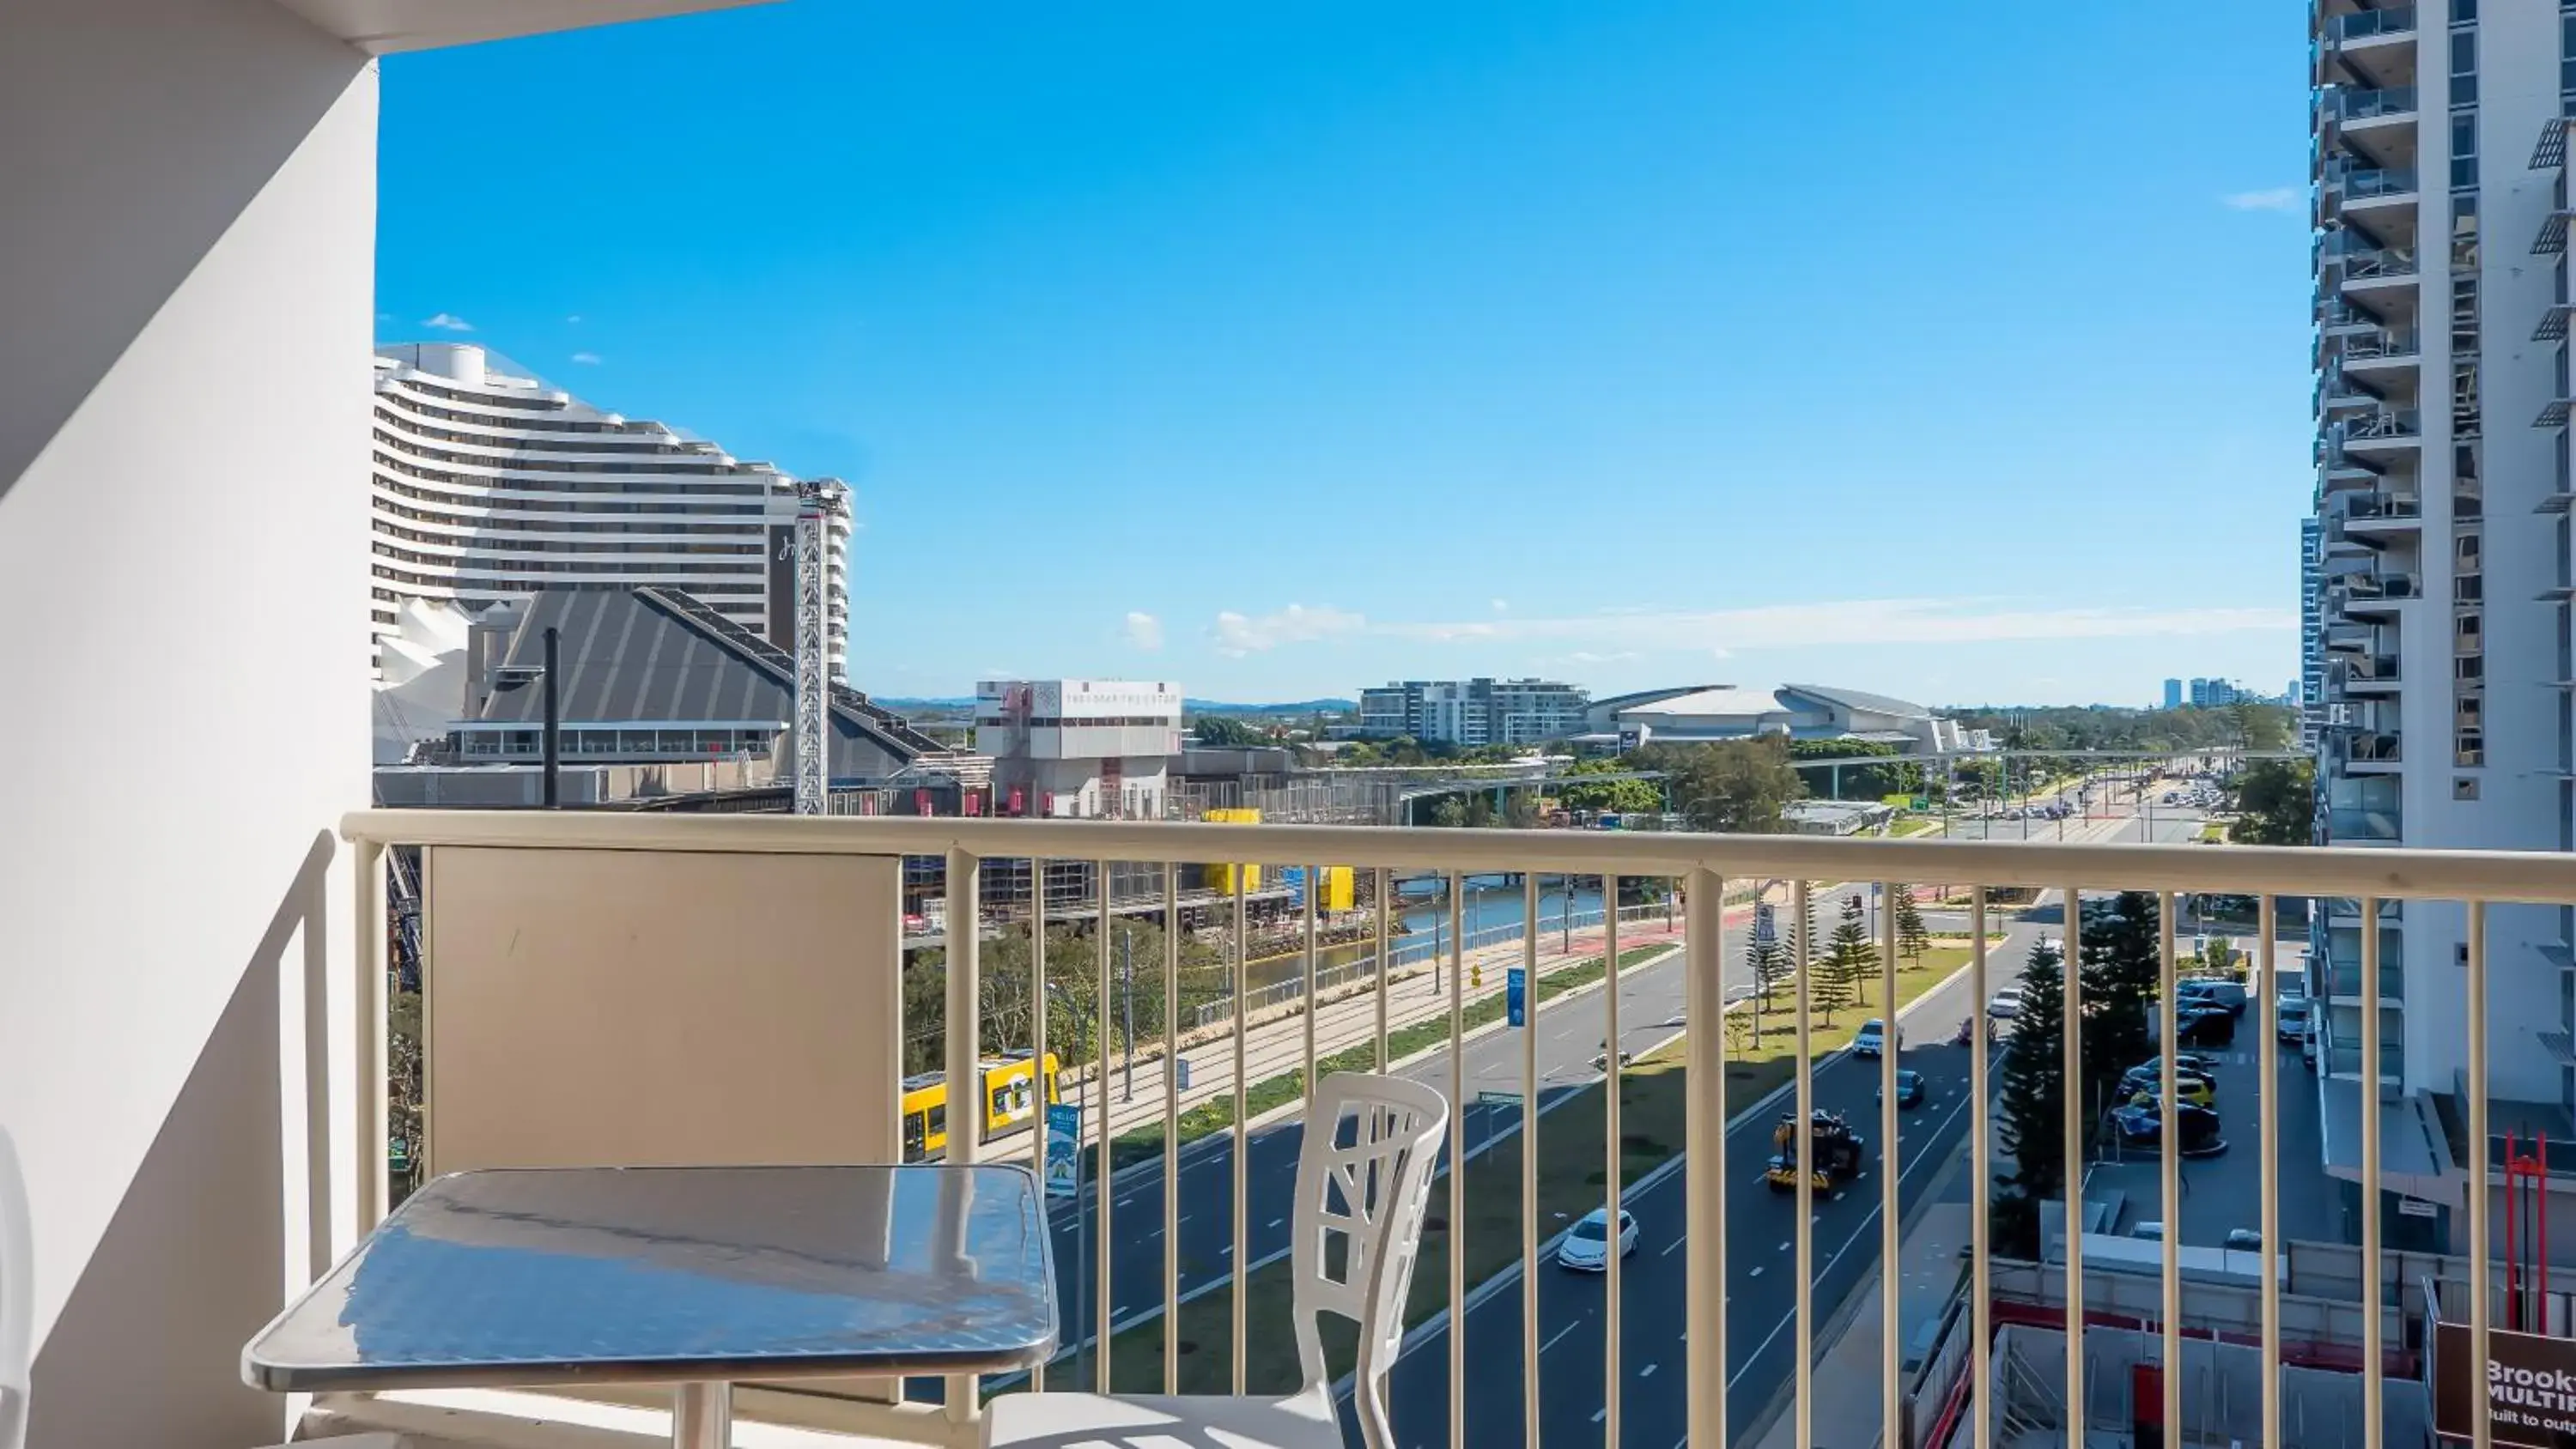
pixel 1909 1089
pixel 2141 1125
pixel 2213 1026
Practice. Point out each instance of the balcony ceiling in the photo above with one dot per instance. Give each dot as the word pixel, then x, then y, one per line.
pixel 383 27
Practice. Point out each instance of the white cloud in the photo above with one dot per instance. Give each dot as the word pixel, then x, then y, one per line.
pixel 448 322
pixel 2277 198
pixel 1720 633
pixel 574 319
pixel 1144 630
pixel 587 359
pixel 1502 605
pixel 1238 635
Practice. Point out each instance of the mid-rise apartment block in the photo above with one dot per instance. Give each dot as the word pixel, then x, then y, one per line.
pixel 1471 712
pixel 2441 505
pixel 489 485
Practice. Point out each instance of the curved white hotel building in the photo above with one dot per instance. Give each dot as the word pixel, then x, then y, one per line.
pixel 488 485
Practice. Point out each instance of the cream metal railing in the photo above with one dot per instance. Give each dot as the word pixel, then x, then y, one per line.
pixel 1703 866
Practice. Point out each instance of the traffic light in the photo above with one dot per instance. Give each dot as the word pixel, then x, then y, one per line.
pixel 1476 977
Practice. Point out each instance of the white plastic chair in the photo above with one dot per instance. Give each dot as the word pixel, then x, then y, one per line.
pixel 17 1297
pixel 1370 1193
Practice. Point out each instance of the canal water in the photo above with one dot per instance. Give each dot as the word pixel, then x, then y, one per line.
pixel 1492 902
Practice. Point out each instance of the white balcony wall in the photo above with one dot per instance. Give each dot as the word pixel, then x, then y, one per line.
pixel 186 265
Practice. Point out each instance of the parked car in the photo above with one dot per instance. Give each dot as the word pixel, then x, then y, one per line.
pixel 2200 1025
pixel 2229 994
pixel 1909 1089
pixel 2183 1062
pixel 1871 1039
pixel 2244 1240
pixel 2140 1085
pixel 2143 1127
pixel 1587 1246
pixel 2293 1025
pixel 2004 1005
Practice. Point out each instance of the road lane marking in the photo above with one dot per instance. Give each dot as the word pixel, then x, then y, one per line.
pixel 1784 1247
pixel 1677 1245
pixel 1756 1273
pixel 1600 1414
pixel 1647 1372
pixel 1764 1346
pixel 1560 1333
pixel 1274 1222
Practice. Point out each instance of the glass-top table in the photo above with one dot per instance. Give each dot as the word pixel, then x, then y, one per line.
pixel 692 1276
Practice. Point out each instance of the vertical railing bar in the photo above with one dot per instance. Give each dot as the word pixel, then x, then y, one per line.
pixel 1043 1086
pixel 1171 1128
pixel 1804 1135
pixel 1100 1161
pixel 959 1056
pixel 2268 1109
pixel 2480 1273
pixel 1891 1170
pixel 1981 1135
pixel 1457 1230
pixel 367 1001
pixel 1242 1140
pixel 2373 1349
pixel 1704 1133
pixel 1612 1149
pixel 1383 882
pixel 2071 987
pixel 1314 884
pixel 1529 1162
pixel 2169 1153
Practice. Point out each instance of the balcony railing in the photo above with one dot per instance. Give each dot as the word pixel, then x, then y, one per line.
pixel 614 987
pixel 2372 748
pixel 2367 263
pixel 2369 24
pixel 2371 826
pixel 2384 424
pixel 2372 346
pixel 2360 183
pixel 2381 507
pixel 2350 104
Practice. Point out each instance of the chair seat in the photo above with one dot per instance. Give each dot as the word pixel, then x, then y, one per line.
pixel 1095 1421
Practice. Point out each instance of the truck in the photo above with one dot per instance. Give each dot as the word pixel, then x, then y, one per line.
pixel 1836 1154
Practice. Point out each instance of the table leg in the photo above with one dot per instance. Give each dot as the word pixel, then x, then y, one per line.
pixel 702 1416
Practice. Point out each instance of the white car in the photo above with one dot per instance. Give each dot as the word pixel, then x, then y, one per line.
pixel 2005 1005
pixel 1871 1039
pixel 1587 1246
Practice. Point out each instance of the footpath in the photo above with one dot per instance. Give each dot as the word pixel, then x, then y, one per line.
pixel 1929 1255
pixel 1347 1017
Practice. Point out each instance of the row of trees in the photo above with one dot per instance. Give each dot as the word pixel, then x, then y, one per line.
pixel 2254 726
pixel 1838 978
pixel 1007 1017
pixel 2116 967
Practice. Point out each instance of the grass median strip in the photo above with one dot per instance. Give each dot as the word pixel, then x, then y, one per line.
pixel 1572 1176
pixel 1217 1113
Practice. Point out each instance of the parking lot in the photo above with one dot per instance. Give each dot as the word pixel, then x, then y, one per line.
pixel 2224 1192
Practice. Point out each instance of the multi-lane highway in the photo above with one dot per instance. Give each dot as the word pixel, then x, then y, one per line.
pixel 1762 1280
pixel 1571 1030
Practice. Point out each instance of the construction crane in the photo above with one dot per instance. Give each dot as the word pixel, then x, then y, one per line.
pixel 813 669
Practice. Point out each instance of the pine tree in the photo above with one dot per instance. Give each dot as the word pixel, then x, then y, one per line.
pixel 1771 965
pixel 2119 965
pixel 1912 939
pixel 2030 1084
pixel 1850 958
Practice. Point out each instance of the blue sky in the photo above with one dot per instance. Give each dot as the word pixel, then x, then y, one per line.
pixel 1947 351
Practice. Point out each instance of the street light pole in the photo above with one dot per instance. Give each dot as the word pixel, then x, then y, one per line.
pixel 554 727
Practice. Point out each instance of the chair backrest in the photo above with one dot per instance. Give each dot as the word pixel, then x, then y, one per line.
pixel 1363 1180
pixel 17 1297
